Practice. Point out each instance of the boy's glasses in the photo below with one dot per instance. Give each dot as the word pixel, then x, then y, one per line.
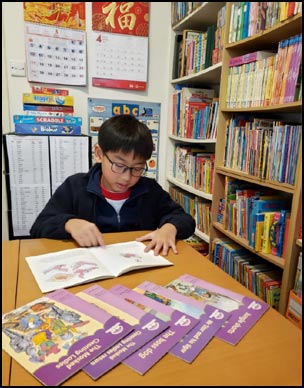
pixel 121 168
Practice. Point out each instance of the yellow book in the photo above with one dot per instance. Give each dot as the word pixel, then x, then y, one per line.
pixel 47 99
pixel 266 246
pixel 259 230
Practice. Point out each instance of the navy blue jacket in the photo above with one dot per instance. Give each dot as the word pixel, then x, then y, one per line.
pixel 148 208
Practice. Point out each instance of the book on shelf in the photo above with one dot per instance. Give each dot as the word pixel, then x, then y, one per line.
pixel 298 279
pixel 286 236
pixel 266 245
pixel 180 324
pixel 245 311
pixel 55 336
pixel 277 230
pixel 210 319
pixel 250 57
pixel 75 266
pixel 145 327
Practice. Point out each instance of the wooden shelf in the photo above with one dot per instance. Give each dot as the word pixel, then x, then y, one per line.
pixel 190 189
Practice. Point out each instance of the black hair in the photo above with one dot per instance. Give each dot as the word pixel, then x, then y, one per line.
pixel 126 134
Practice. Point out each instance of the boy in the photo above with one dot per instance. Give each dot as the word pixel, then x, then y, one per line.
pixel 114 196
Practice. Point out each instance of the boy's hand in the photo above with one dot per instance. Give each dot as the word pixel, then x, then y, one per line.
pixel 161 239
pixel 85 233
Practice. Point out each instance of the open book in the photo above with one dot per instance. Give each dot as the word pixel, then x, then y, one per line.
pixel 67 268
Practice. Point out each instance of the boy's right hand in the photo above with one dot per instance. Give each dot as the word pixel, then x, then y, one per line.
pixel 85 233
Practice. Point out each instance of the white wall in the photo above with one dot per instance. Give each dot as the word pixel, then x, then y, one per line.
pixel 158 77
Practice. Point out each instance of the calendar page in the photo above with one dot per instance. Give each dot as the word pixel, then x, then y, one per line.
pixel 120 61
pixel 120 49
pixel 55 55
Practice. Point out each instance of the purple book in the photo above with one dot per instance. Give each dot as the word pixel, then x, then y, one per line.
pixel 146 326
pixel 245 311
pixel 55 336
pixel 210 319
pixel 180 324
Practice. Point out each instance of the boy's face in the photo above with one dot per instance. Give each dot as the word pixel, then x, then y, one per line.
pixel 118 182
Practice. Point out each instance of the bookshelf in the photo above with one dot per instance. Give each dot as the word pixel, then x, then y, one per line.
pixel 199 18
pixel 267 39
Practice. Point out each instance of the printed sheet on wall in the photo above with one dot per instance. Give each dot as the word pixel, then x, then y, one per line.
pixel 100 109
pixel 55 42
pixel 120 44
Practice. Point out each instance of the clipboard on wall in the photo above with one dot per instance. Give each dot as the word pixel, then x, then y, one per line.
pixel 35 165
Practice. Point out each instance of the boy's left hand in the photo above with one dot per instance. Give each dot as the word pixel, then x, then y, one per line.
pixel 161 239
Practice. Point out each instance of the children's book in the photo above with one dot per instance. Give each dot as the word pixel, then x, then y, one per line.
pixel 82 265
pixel 245 311
pixel 180 324
pixel 146 326
pixel 56 335
pixel 210 320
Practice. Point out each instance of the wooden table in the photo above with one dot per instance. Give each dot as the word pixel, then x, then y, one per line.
pixel 10 259
pixel 270 354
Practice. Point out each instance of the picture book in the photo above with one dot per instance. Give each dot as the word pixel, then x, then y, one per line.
pixel 56 335
pixel 180 324
pixel 145 327
pixel 210 319
pixel 70 267
pixel 245 311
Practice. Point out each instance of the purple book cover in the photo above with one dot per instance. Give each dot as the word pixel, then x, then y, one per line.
pixel 210 320
pixel 55 336
pixel 180 324
pixel 146 326
pixel 245 311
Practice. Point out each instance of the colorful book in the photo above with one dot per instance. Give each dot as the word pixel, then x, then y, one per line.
pixel 250 57
pixel 48 108
pixel 55 336
pixel 45 90
pixel 245 311
pixel 74 266
pixel 47 129
pixel 210 320
pixel 29 119
pixel 277 229
pixel 180 324
pixel 145 327
pixel 47 99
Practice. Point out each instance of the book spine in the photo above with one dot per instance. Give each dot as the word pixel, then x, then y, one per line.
pixel 47 99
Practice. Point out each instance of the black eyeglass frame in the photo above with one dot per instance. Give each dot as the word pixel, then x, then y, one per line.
pixel 124 168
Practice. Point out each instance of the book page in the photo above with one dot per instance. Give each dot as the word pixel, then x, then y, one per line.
pixel 124 257
pixel 66 268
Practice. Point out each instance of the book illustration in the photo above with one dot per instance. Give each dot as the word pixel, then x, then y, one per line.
pixel 180 324
pixel 244 310
pixel 55 336
pixel 145 327
pixel 80 265
pixel 210 320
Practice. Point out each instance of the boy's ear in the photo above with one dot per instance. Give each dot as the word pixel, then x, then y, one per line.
pixel 97 153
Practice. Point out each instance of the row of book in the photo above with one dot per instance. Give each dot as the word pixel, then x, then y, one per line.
pixel 47 111
pixel 57 335
pixel 196 50
pixel 179 10
pixel 194 167
pixel 199 208
pixel 264 78
pixel 262 278
pixel 263 148
pixel 249 18
pixel 260 217
pixel 194 113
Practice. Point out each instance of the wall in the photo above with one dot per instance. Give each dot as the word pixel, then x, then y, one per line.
pixel 158 76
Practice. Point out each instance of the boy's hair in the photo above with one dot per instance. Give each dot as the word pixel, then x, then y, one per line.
pixel 126 134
